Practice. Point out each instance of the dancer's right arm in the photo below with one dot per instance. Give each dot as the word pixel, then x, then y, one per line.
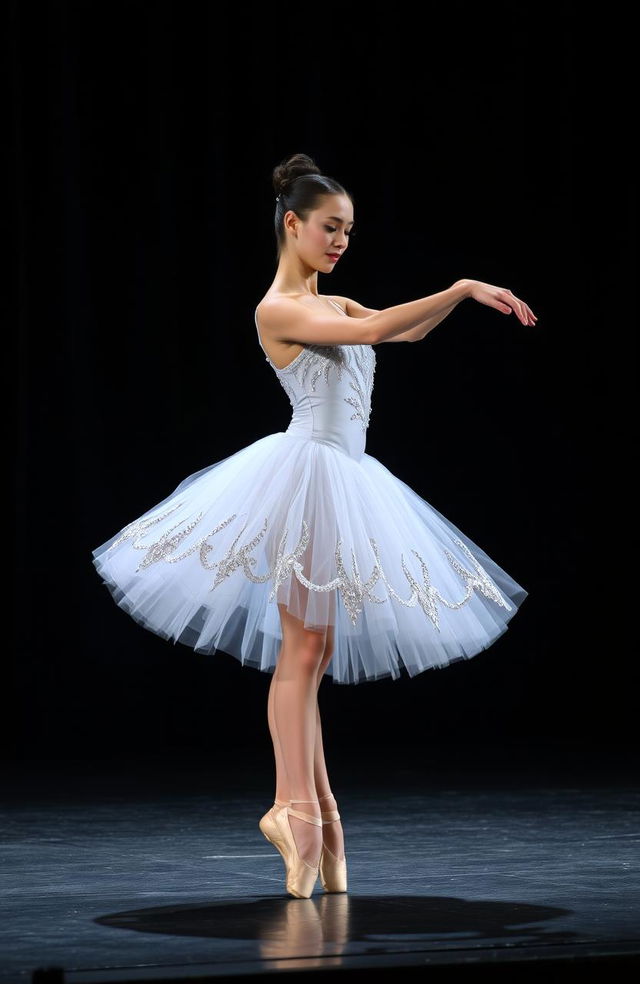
pixel 403 317
pixel 394 320
pixel 289 320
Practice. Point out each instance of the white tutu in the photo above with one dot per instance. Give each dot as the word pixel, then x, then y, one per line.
pixel 307 519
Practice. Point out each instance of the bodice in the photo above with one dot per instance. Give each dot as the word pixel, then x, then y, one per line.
pixel 330 389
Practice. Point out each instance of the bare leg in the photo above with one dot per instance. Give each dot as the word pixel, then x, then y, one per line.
pixel 294 715
pixel 282 781
pixel 332 833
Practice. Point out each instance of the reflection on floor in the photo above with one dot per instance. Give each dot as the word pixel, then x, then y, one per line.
pixel 169 874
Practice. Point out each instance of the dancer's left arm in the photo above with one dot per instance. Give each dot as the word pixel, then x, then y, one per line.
pixel 415 334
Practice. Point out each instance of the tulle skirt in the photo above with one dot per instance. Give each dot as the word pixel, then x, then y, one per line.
pixel 344 545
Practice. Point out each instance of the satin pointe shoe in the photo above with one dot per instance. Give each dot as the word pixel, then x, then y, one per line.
pixel 301 876
pixel 267 823
pixel 332 870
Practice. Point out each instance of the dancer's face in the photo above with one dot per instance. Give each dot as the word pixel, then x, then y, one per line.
pixel 326 231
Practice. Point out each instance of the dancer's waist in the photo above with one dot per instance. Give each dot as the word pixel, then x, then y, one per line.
pixel 298 433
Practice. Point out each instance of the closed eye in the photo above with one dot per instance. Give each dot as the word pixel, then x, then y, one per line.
pixel 333 229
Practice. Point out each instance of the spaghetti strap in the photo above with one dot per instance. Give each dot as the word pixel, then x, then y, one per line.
pixel 340 309
pixel 255 318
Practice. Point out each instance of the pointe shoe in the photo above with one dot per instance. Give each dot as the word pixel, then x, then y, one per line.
pixel 301 876
pixel 267 823
pixel 332 870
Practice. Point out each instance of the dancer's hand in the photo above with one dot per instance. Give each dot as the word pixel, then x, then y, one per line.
pixel 501 299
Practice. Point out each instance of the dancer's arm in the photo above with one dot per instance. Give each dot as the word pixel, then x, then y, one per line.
pixel 356 310
pixel 290 320
pixel 410 317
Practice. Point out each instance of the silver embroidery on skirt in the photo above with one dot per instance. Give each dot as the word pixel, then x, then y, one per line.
pixel 353 590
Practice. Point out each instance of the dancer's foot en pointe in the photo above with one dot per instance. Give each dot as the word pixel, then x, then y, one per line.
pixel 333 864
pixel 267 823
pixel 298 837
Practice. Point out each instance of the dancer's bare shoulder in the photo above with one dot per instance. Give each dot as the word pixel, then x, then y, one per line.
pixel 288 322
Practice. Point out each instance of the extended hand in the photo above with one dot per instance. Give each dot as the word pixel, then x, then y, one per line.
pixel 501 299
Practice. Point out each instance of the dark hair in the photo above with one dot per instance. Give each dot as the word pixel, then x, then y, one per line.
pixel 300 185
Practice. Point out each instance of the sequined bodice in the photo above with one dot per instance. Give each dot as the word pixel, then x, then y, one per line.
pixel 330 388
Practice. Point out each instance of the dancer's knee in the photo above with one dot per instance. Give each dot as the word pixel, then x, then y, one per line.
pixel 304 648
pixel 301 659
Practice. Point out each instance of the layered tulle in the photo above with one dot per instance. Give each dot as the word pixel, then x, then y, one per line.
pixel 341 543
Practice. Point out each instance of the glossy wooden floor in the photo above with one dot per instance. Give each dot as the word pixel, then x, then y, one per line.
pixel 148 873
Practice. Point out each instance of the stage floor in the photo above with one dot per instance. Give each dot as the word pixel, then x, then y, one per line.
pixel 135 873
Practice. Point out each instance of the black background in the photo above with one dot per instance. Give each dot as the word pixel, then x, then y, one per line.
pixel 477 142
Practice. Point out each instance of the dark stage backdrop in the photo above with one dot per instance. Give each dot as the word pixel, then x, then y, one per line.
pixel 141 141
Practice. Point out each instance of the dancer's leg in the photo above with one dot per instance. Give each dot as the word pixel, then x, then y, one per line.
pixel 320 769
pixel 282 781
pixel 294 712
pixel 332 833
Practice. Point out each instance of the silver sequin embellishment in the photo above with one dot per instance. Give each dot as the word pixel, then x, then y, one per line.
pixel 166 545
pixel 362 383
pixel 317 361
pixel 353 589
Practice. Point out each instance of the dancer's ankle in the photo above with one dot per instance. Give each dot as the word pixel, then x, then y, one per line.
pixel 304 804
pixel 325 797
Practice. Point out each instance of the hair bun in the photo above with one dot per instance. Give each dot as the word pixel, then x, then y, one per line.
pixel 285 173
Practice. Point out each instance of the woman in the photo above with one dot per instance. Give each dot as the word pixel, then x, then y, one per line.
pixel 324 561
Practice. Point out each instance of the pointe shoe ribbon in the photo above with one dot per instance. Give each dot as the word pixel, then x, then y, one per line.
pixel 301 876
pixel 332 870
